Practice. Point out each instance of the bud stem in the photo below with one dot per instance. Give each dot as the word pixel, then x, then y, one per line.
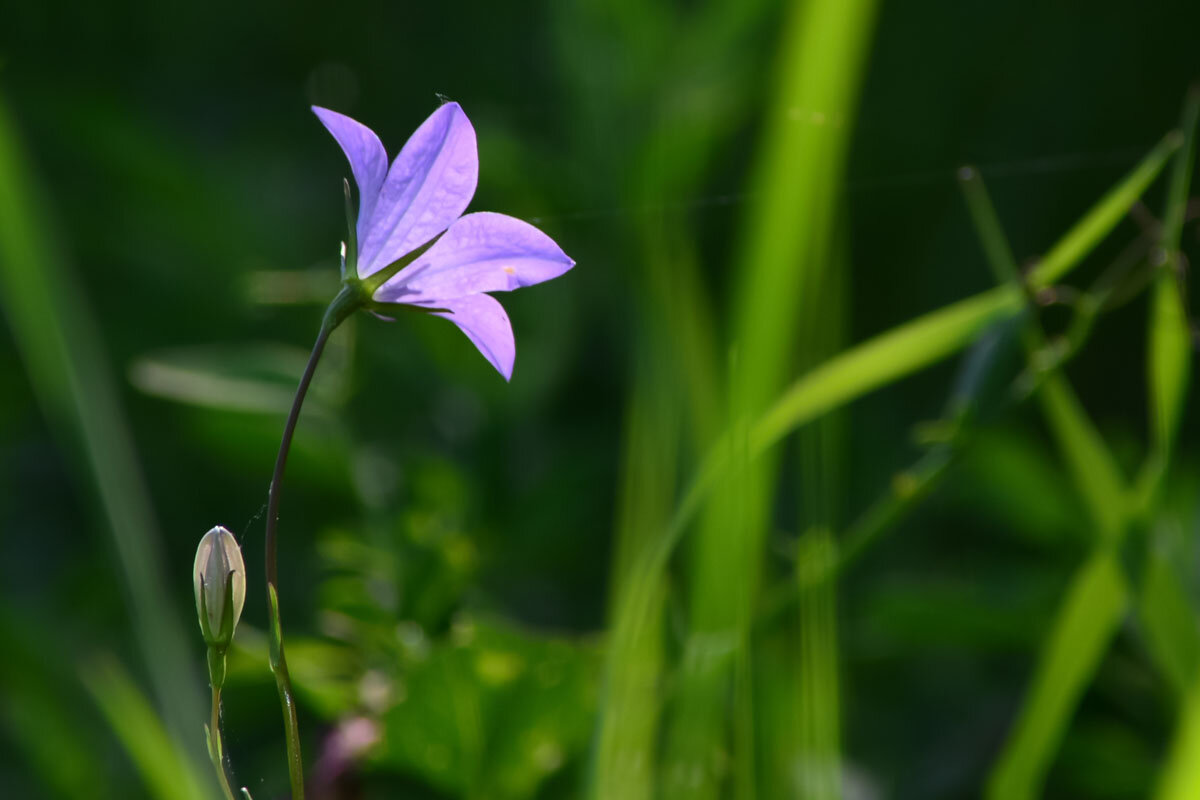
pixel 349 299
pixel 216 750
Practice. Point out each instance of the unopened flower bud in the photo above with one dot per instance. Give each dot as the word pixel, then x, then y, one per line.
pixel 219 578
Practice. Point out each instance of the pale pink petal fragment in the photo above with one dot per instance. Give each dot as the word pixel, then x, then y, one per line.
pixel 484 321
pixel 481 252
pixel 428 186
pixel 368 159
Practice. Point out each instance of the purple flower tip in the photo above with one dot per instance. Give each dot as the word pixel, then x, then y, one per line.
pixel 423 195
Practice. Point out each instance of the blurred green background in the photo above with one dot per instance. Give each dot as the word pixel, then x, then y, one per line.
pixel 603 580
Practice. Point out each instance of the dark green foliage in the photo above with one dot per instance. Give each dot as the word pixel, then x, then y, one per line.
pixel 813 480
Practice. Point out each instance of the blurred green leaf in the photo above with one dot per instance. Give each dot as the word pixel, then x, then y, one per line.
pixel 314 287
pixel 63 353
pixel 325 674
pixel 40 707
pixel 259 378
pixel 166 770
pixel 492 712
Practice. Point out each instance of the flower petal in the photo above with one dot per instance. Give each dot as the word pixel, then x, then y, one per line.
pixel 484 321
pixel 481 252
pixel 368 159
pixel 428 186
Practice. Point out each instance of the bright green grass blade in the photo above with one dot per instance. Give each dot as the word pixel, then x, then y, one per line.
pixel 1168 620
pixel 1168 616
pixel 818 454
pixel 626 741
pixel 1103 217
pixel 987 226
pixel 1181 775
pixel 1169 355
pixel 1168 362
pixel 926 340
pixel 880 361
pixel 1077 642
pixel 58 340
pixel 798 171
pixel 675 371
pixel 876 363
pixel 1089 461
pixel 1083 628
pixel 1092 467
pixel 820 728
pixel 166 771
pixel 841 380
pixel 1181 172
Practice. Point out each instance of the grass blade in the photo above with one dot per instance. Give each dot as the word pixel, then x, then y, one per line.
pixel 1103 217
pixel 626 740
pixel 820 729
pixel 880 361
pixel 1168 621
pixel 1169 344
pixel 798 171
pixel 1089 462
pixel 1169 617
pixel 1091 466
pixel 58 340
pixel 1181 775
pixel 1095 603
pixel 166 771
pixel 1083 628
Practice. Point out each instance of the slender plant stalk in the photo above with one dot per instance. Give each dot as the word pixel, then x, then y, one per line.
pixel 341 307
pixel 215 748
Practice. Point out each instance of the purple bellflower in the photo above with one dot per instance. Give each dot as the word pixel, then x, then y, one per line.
pixel 412 245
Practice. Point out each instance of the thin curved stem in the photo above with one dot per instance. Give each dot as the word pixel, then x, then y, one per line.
pixel 285 446
pixel 215 747
pixel 342 306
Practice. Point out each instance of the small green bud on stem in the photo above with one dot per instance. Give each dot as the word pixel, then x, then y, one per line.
pixel 219 580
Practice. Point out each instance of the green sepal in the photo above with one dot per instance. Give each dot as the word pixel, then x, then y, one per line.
pixel 246 793
pixel 372 282
pixel 205 631
pixel 350 257
pixel 385 309
pixel 227 618
pixel 276 633
pixel 224 635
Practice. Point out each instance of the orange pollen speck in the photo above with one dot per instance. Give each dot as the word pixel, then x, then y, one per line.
pixel 510 270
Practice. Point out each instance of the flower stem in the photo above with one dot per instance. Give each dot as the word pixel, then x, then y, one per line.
pixel 342 306
pixel 215 749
